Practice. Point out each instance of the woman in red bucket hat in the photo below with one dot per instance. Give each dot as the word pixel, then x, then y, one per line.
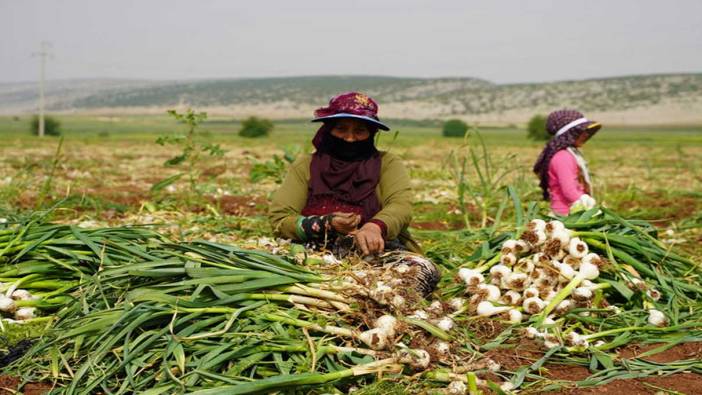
pixel 562 170
pixel 347 195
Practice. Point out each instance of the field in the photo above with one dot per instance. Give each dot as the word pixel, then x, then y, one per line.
pixel 108 169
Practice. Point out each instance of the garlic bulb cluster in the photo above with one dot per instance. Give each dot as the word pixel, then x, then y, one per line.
pixel 531 272
pixel 400 283
pixel 9 305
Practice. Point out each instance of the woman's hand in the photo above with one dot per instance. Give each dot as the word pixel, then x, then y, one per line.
pixel 345 223
pixel 370 239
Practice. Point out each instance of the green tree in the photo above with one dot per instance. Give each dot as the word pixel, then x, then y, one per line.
pixel 52 127
pixel 536 128
pixel 255 127
pixel 454 128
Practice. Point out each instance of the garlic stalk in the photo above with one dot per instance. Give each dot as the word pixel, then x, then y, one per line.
pixel 586 272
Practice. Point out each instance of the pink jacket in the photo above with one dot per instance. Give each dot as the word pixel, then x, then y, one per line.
pixel 564 182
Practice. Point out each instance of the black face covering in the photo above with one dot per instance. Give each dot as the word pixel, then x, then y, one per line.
pixel 351 152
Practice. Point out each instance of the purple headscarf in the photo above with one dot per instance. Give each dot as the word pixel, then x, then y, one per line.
pixel 556 121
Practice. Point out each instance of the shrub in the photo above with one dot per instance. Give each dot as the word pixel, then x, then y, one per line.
pixel 536 128
pixel 52 127
pixel 454 128
pixel 255 127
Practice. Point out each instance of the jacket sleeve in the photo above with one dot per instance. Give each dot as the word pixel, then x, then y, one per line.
pixel 289 200
pixel 395 196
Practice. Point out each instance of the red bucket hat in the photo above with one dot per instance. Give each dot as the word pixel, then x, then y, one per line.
pixel 351 105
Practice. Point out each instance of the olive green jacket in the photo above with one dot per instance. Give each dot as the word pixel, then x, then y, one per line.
pixel 393 191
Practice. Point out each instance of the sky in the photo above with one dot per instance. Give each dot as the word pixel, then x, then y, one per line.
pixel 501 41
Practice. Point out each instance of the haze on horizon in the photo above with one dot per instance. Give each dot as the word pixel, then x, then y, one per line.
pixel 501 41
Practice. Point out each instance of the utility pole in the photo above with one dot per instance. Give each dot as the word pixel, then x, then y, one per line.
pixel 42 54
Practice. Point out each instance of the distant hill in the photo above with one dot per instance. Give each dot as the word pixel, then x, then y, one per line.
pixel 646 99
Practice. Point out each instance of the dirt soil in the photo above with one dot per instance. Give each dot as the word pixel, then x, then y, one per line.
pixel 8 386
pixel 686 383
pixel 240 205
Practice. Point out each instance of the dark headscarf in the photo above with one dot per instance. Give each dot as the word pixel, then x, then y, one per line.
pixel 555 121
pixel 348 178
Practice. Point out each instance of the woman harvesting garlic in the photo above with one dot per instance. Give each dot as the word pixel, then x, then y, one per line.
pixel 348 192
pixel 562 170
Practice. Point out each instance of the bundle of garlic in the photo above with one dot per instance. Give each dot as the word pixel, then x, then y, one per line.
pixel 593 276
pixel 544 271
pixel 398 285
pixel 17 303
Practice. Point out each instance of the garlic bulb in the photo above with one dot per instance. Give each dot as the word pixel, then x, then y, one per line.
pixel 653 294
pixel 593 258
pixel 572 261
pixel 534 237
pixel 577 248
pixel 517 281
pixel 521 247
pixel 24 313
pixel 397 301
pixel 564 307
pixel 445 323
pixel 532 333
pixel 457 388
pixel 582 294
pixel 509 247
pixel 537 224
pixel 508 259
pixel 588 271
pixel 657 318
pixel 524 265
pixel 436 308
pixel 375 338
pixel 487 309
pixel 549 320
pixel 489 292
pixel 562 236
pixel 553 226
pixel 515 316
pixel 387 323
pixel 533 305
pixel 471 277
pixel 7 305
pixel 417 358
pixel 566 272
pixel 511 298
pixel 442 348
pixel 21 294
pixel 498 272
pixel 551 341
pixel 530 292
pixel 420 315
pixel 575 339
